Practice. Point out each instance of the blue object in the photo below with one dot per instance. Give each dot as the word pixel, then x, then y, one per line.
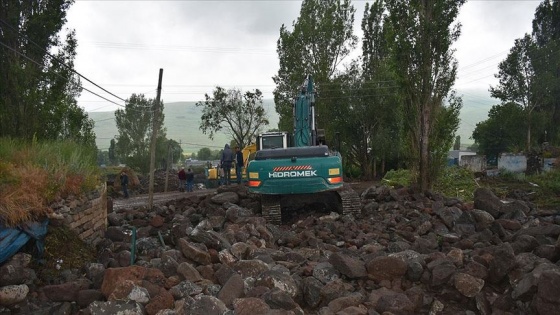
pixel 13 239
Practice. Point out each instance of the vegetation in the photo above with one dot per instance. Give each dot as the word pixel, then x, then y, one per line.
pixel 529 89
pixel 33 175
pixel 393 106
pixel 542 189
pixel 503 131
pixel 135 124
pixel 321 39
pixel 240 116
pixel 423 33
pixel 38 98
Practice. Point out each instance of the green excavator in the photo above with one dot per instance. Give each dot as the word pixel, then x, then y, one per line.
pixel 289 171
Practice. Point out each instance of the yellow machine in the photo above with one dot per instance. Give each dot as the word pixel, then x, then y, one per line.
pixel 213 174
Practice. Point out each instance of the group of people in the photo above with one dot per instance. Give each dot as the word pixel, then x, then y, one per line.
pixel 229 159
pixel 186 179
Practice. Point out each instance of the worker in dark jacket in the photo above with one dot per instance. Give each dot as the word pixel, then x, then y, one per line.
pixel 226 161
pixel 190 180
pixel 124 183
pixel 182 179
pixel 239 163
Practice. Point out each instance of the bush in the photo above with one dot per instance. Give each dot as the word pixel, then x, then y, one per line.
pixel 458 182
pixel 401 177
pixel 549 181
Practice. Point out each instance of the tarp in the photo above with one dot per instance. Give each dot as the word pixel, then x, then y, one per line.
pixel 12 239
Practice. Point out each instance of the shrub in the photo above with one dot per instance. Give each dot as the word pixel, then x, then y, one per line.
pixel 401 177
pixel 456 181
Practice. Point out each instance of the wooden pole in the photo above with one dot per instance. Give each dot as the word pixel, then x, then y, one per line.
pixel 157 109
pixel 169 161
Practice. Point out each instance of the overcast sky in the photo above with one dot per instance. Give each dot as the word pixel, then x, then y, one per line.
pixel 201 44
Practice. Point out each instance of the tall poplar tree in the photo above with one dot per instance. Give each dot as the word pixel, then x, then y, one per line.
pixel 38 88
pixel 379 110
pixel 423 32
pixel 320 40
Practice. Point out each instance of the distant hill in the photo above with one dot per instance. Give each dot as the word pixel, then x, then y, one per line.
pixel 183 118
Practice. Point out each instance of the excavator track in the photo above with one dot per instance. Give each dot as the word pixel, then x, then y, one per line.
pixel 351 203
pixel 270 209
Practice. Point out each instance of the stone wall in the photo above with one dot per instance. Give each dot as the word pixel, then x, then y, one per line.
pixel 475 163
pixel 86 215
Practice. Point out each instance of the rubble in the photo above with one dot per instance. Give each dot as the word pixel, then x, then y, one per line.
pixel 407 253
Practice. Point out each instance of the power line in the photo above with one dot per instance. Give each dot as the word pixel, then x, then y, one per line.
pixel 58 60
pixel 40 65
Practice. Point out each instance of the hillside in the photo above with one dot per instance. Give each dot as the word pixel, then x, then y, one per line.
pixel 182 120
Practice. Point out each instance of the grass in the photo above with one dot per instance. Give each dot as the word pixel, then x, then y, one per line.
pixel 461 183
pixel 32 175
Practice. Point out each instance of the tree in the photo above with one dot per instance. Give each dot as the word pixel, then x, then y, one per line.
pixel 320 40
pixel 134 124
pixel 503 131
pixel 240 116
pixel 39 87
pixel 378 106
pixel 422 33
pixel 546 63
pixel 517 81
pixel 205 154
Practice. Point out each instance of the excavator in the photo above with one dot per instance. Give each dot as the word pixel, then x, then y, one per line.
pixel 300 168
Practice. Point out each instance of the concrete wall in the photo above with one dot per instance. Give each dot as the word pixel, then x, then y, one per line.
pixel 474 163
pixel 548 164
pixel 516 163
pixel 87 216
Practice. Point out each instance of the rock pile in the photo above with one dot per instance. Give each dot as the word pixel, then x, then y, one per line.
pixel 408 253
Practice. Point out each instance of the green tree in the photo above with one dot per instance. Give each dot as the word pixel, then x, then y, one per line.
pixel 240 116
pixel 423 33
pixel 503 131
pixel 205 154
pixel 446 124
pixel 546 62
pixel 39 88
pixel 134 124
pixel 320 40
pixel 518 81
pixel 377 109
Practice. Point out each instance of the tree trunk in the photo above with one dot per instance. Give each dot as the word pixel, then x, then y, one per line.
pixel 424 149
pixel 528 149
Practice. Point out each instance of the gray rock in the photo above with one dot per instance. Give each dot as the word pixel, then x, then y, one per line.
pixel 224 197
pixel 115 307
pixel 184 289
pixel 12 294
pixel 325 272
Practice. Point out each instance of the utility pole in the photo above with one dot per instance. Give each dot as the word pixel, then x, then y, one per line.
pixel 169 161
pixel 153 141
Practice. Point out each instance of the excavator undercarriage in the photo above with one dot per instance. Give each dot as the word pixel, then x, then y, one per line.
pixel 345 201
